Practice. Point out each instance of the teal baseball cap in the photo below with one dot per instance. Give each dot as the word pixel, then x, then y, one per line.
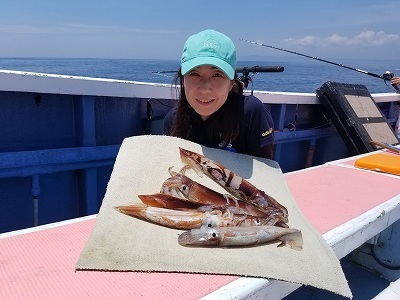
pixel 209 47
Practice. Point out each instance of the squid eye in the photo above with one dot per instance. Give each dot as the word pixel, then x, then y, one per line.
pixel 209 225
pixel 184 188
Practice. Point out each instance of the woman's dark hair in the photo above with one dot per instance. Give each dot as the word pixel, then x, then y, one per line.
pixel 224 122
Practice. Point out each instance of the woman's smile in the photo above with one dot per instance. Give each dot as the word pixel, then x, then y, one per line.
pixel 205 101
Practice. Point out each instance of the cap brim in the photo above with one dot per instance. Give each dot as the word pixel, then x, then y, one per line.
pixel 211 61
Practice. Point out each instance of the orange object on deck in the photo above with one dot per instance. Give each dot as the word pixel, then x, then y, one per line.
pixel 380 162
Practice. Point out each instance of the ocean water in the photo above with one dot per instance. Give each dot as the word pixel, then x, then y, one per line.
pixel 299 75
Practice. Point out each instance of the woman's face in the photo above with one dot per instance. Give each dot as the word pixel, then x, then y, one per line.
pixel 206 89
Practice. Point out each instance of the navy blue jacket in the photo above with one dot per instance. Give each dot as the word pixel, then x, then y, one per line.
pixel 256 127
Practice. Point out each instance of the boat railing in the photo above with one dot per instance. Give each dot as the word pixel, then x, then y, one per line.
pixel 60 135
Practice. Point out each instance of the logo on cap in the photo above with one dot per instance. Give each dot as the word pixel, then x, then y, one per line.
pixel 211 44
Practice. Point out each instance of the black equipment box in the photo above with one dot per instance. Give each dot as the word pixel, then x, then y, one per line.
pixel 356 116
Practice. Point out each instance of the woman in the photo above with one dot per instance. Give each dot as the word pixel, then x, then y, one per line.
pixel 211 109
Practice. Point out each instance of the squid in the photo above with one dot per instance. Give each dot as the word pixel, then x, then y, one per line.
pixel 241 236
pixel 239 217
pixel 188 219
pixel 168 201
pixel 245 216
pixel 169 211
pixel 237 186
pixel 182 186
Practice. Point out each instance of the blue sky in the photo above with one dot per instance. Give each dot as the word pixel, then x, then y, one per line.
pixel 158 29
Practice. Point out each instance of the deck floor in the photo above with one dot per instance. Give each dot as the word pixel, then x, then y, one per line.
pixel 364 284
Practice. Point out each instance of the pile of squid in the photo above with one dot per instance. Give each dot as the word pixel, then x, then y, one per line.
pixel 245 216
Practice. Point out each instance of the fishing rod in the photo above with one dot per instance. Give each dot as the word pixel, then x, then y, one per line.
pixel 245 78
pixel 245 70
pixel 163 72
pixel 386 76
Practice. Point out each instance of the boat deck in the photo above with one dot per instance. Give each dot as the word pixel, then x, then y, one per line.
pixel 38 263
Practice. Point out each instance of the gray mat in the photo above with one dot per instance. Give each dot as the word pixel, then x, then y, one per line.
pixel 119 242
